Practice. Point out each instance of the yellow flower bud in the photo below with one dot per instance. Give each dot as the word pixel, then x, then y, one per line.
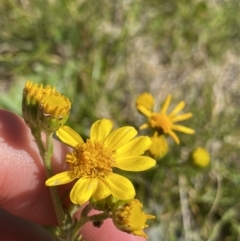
pixel 53 111
pixel 200 157
pixel 159 147
pixel 146 100
pixel 129 217
pixel 44 108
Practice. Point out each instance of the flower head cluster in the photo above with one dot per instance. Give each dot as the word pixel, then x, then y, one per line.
pixel 200 157
pixel 162 122
pixel 44 108
pixel 92 162
pixel 159 147
pixel 129 217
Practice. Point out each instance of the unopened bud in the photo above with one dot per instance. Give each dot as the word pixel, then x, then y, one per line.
pixel 129 217
pixel 44 108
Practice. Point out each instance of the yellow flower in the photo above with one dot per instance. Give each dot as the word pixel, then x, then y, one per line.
pixel 161 121
pixel 200 157
pixel 44 107
pixel 129 217
pixel 159 147
pixel 92 162
pixel 146 100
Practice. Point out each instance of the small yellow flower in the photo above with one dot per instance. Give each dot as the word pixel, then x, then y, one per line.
pixel 92 162
pixel 200 157
pixel 44 107
pixel 162 122
pixel 146 100
pixel 129 217
pixel 159 147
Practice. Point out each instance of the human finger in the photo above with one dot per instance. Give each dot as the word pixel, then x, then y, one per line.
pixel 22 180
pixel 106 232
pixel 22 173
pixel 18 229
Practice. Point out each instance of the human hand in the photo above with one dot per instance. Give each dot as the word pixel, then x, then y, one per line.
pixel 25 202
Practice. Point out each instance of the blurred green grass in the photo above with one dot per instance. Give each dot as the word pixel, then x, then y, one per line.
pixel 103 54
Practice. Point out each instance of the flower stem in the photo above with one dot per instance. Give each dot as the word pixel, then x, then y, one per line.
pixel 84 219
pixel 46 154
pixel 37 136
pixel 53 190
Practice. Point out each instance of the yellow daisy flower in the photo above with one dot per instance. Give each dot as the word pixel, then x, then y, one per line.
pixel 129 217
pixel 161 121
pixel 92 162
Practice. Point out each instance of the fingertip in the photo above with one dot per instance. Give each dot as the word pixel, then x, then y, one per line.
pixel 22 172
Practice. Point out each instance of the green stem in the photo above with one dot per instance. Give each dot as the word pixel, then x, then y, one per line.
pixel 46 154
pixel 96 217
pixel 53 190
pixel 37 136
pixel 86 210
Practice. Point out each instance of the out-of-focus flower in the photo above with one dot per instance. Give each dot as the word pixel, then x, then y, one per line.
pixel 200 157
pixel 146 100
pixel 159 147
pixel 44 107
pixel 162 122
pixel 92 162
pixel 129 217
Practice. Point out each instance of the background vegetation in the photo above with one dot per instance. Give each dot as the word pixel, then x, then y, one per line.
pixel 103 54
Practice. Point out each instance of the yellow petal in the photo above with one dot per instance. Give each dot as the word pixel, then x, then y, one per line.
pixel 102 190
pixel 181 117
pixel 135 163
pixel 139 233
pixel 135 147
pixel 174 136
pixel 177 108
pixel 119 137
pixel 120 186
pixel 144 126
pixel 69 136
pixel 183 129
pixel 60 178
pixel 166 104
pixel 100 129
pixel 149 216
pixel 144 110
pixel 83 190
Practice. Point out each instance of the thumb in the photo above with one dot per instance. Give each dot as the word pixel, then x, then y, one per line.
pixel 22 174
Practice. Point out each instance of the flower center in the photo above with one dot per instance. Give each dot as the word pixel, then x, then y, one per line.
pixel 160 121
pixel 91 159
